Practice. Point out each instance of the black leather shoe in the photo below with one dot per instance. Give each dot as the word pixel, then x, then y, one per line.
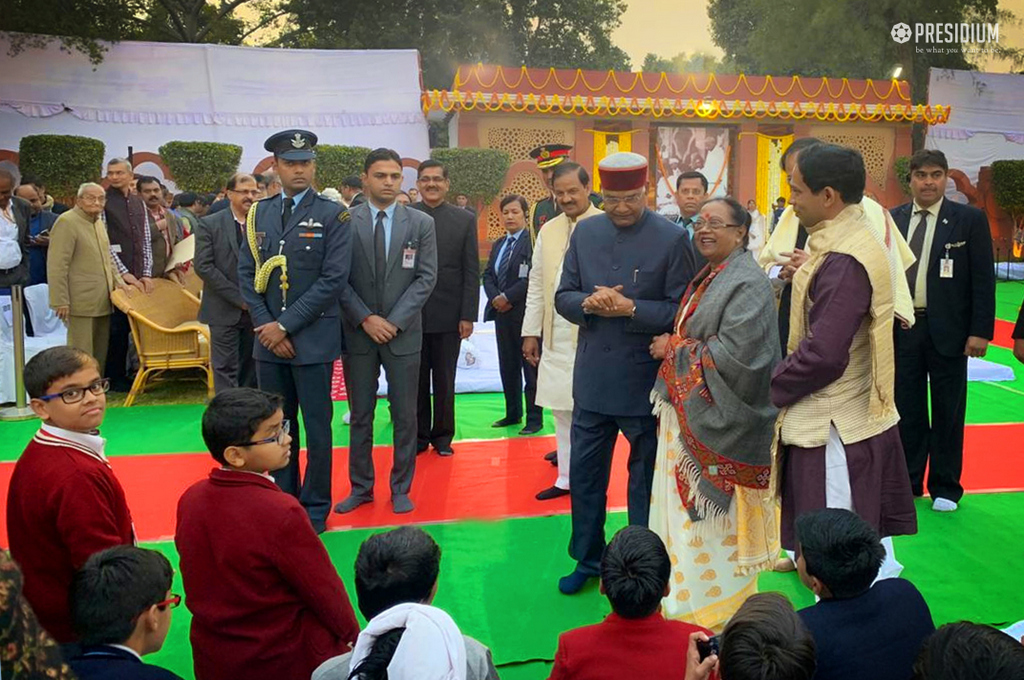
pixel 533 428
pixel 445 452
pixel 551 457
pixel 422 448
pixel 551 492
pixel 505 422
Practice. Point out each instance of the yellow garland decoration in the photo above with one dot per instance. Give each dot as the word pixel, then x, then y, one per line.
pixel 689 82
pixel 691 108
pixel 265 269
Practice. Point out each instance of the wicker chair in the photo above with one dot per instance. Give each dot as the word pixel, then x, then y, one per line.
pixel 166 333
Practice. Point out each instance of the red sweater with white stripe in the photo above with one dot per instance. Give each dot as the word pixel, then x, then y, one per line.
pixel 64 504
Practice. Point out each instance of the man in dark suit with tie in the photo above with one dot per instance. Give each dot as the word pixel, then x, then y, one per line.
pixel 394 268
pixel 292 270
pixel 622 278
pixel 218 239
pixel 691 192
pixel 505 282
pixel 953 287
pixel 450 311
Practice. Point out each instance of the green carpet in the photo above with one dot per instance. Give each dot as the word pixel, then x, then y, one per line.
pixel 498 580
pixel 1008 299
pixel 142 430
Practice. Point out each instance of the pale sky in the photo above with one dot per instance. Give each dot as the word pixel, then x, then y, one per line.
pixel 668 27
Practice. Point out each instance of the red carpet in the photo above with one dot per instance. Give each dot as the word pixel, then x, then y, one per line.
pixel 485 480
pixel 1004 334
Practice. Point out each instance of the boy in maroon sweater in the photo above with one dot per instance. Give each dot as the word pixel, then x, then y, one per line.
pixel 266 602
pixel 635 640
pixel 64 502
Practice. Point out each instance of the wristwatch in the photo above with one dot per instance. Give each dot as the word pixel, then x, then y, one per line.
pixel 632 312
pixel 283 329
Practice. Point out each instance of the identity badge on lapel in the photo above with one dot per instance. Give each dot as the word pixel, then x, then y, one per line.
pixel 524 270
pixel 409 255
pixel 946 265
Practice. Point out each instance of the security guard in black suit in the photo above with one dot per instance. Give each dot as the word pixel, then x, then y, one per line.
pixel 292 271
pixel 547 157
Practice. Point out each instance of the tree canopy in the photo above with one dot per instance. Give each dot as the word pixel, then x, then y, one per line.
pixel 845 38
pixel 541 33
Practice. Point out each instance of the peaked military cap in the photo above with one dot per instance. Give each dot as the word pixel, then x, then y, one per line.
pixel 292 145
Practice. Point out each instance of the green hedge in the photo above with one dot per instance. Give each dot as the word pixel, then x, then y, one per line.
pixel 201 166
pixel 902 170
pixel 478 173
pixel 62 162
pixel 334 163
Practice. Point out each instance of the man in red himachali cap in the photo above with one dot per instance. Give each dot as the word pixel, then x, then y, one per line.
pixel 622 278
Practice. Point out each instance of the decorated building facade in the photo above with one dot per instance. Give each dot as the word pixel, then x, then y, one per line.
pixel 731 128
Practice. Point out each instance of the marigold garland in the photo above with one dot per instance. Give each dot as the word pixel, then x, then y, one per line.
pixel 707 109
pixel 690 82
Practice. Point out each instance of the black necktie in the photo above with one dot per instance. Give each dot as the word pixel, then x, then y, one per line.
pixel 506 261
pixel 917 247
pixel 289 204
pixel 380 259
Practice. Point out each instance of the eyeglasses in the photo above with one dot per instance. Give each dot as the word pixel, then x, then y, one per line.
pixel 632 200
pixel 73 395
pixel 93 199
pixel 714 225
pixel 278 438
pixel 173 601
pixel 246 192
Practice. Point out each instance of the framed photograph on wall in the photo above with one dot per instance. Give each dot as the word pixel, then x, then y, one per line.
pixel 678 149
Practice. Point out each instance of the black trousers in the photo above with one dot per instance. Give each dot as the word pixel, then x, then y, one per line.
pixel 117 350
pixel 231 355
pixel 515 370
pixel 439 357
pixel 590 468
pixel 307 388
pixel 938 441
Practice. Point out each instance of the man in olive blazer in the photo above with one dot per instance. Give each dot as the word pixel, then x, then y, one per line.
pixel 81 273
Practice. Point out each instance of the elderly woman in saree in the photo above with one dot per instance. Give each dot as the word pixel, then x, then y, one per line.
pixel 712 500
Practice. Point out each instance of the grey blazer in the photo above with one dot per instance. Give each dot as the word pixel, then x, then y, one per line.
pixel 216 263
pixel 406 290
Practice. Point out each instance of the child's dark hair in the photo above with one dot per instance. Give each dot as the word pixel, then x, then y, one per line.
pixel 113 588
pixel 395 567
pixel 234 416
pixel 51 365
pixel 634 572
pixel 392 568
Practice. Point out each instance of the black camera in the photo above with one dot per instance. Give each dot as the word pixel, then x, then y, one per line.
pixel 706 649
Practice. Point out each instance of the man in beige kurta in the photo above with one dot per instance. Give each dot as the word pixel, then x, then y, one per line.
pixel 81 274
pixel 542 323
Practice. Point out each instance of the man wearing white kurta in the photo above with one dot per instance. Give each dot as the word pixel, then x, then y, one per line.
pixel 554 378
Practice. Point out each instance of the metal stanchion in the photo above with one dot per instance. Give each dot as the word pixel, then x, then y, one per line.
pixel 20 410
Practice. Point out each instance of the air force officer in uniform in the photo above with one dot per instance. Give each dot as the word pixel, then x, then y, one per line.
pixel 292 270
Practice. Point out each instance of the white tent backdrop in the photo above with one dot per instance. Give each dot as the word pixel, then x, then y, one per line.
pixel 986 124
pixel 145 94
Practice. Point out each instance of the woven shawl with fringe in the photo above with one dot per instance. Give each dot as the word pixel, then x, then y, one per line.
pixel 715 380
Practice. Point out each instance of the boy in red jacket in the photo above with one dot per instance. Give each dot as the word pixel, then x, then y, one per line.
pixel 635 640
pixel 266 602
pixel 64 502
